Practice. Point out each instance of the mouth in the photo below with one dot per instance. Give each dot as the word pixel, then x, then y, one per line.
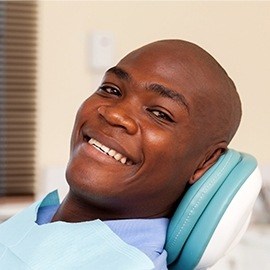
pixel 109 151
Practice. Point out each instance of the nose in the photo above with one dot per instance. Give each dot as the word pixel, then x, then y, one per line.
pixel 118 117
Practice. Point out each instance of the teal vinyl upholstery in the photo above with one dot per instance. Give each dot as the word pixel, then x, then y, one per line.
pixel 202 207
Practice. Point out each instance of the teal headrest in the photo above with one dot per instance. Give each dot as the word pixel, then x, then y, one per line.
pixel 203 206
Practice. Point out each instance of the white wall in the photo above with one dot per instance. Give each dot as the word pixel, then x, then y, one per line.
pixel 236 33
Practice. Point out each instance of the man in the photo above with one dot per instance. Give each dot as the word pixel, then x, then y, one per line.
pixel 159 120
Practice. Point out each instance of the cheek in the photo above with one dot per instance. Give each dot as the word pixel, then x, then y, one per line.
pixel 160 145
pixel 170 157
pixel 157 138
pixel 84 114
pixel 161 156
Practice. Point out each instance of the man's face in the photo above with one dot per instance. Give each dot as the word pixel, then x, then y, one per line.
pixel 135 143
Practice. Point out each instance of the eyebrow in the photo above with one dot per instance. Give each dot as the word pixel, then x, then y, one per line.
pixel 169 93
pixel 120 73
pixel 155 87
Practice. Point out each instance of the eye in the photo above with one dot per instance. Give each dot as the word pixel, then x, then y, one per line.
pixel 161 115
pixel 110 90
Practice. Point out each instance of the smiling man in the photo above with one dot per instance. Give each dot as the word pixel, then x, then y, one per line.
pixel 159 120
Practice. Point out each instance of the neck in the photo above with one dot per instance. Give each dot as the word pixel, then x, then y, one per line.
pixel 75 209
pixel 78 209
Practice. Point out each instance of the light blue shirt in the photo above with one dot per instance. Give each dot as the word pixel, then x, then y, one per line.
pixel 148 235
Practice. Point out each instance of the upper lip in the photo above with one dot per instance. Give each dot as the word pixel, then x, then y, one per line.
pixel 111 143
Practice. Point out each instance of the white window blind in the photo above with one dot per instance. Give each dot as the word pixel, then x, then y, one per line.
pixel 18 23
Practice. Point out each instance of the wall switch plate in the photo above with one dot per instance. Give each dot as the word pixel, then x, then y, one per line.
pixel 102 50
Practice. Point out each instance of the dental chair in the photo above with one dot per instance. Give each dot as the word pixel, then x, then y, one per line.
pixel 214 213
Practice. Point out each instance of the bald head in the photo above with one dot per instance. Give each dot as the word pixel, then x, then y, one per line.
pixel 166 111
pixel 212 95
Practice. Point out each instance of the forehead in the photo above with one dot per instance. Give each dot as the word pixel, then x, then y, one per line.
pixel 154 65
pixel 183 66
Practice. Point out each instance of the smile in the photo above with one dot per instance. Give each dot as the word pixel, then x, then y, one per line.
pixel 110 152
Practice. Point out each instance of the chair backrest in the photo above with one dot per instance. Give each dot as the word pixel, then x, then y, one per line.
pixel 214 213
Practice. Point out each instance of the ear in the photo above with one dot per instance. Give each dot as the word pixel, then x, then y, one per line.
pixel 209 160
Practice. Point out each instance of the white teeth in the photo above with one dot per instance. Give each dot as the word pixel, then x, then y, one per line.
pixel 111 152
pixel 98 144
pixel 123 160
pixel 91 141
pixel 105 148
pixel 117 156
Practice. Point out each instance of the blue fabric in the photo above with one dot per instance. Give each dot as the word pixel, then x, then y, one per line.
pixel 46 213
pixel 148 235
pixel 60 245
